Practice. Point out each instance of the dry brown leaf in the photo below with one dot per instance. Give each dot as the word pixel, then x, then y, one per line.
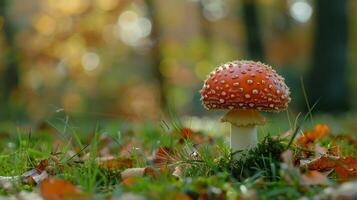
pixel 314 178
pixel 58 189
pixel 288 158
pixel 178 172
pixel 346 169
pixel 42 165
pixel 322 164
pixel 132 172
pixel 117 163
pixel 163 156
pixel 137 172
pixel 196 137
pixel 181 196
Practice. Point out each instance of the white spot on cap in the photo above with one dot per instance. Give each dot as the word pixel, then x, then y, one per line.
pixel 247 96
pixel 221 100
pixel 236 84
pixel 250 82
pixel 255 91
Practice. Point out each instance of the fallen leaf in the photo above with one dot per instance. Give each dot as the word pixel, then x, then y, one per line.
pixel 150 171
pixel 58 189
pixel 163 156
pixel 36 178
pixel 314 178
pixel 42 165
pixel 346 169
pixel 178 172
pixel 133 172
pixel 288 158
pixel 309 137
pixel 186 133
pixel 196 137
pixel 128 181
pixel 181 196
pixel 25 195
pixel 137 172
pixel 131 196
pixel 116 163
pixel 322 164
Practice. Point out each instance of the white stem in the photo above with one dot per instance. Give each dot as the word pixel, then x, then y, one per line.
pixel 243 137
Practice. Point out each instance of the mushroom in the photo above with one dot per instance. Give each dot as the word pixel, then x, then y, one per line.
pixel 245 88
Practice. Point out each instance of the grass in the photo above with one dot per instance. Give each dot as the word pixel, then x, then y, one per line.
pixel 208 170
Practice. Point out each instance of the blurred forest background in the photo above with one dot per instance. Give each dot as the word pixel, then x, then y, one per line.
pixel 133 59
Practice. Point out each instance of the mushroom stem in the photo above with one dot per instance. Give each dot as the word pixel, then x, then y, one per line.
pixel 243 128
pixel 243 137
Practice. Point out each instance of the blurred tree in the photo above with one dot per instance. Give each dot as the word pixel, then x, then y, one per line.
pixel 205 28
pixel 10 75
pixel 155 53
pixel 253 33
pixel 328 80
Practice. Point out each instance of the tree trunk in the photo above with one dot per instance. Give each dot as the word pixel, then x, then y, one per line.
pixel 10 76
pixel 253 34
pixel 156 55
pixel 328 80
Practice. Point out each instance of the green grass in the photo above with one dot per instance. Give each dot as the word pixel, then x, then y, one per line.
pixel 208 169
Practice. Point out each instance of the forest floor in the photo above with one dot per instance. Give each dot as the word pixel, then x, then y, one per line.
pixel 171 161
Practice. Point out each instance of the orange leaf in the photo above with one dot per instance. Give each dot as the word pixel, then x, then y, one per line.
pixel 322 164
pixel 129 181
pixel 311 136
pixel 314 178
pixel 187 133
pixel 58 189
pixel 346 169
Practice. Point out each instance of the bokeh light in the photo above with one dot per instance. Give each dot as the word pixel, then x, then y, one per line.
pixel 214 10
pixel 300 10
pixel 90 61
pixel 133 28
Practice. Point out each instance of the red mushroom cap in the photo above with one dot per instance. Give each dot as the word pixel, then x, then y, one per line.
pixel 245 85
